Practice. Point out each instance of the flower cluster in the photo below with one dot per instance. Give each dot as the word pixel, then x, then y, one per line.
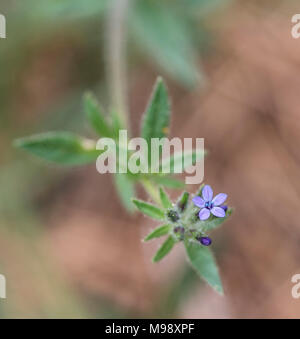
pixel 188 221
pixel 187 227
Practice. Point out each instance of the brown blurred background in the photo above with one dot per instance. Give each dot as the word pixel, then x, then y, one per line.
pixel 67 246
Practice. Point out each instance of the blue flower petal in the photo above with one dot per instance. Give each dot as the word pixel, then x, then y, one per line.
pixel 207 193
pixel 204 214
pixel 219 199
pixel 199 202
pixel 218 212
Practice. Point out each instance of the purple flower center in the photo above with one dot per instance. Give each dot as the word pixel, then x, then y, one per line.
pixel 209 205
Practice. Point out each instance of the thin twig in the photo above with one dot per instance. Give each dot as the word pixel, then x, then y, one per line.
pixel 116 58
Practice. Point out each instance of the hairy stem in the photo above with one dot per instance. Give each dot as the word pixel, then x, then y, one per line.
pixel 116 59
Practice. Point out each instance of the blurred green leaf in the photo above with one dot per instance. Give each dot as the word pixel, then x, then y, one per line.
pixel 125 189
pixel 177 292
pixel 178 161
pixel 167 181
pixel 202 260
pixel 164 34
pixel 96 117
pixel 65 9
pixel 149 209
pixel 202 7
pixel 116 123
pixel 158 232
pixel 157 116
pixel 164 198
pixel 165 248
pixel 63 148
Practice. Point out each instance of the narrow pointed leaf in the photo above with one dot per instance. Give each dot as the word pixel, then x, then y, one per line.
pixel 157 116
pixel 158 232
pixel 149 209
pixel 125 189
pixel 183 200
pixel 165 248
pixel 202 260
pixel 60 147
pixel 96 117
pixel 164 198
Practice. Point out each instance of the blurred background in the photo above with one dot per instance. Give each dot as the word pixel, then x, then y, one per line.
pixel 67 246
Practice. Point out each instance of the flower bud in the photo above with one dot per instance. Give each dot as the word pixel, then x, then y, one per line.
pixel 173 215
pixel 205 241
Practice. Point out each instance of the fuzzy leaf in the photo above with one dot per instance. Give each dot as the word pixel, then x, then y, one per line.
pixel 125 189
pixel 202 260
pixel 158 232
pixel 165 200
pixel 60 147
pixel 157 116
pixel 96 117
pixel 164 249
pixel 149 209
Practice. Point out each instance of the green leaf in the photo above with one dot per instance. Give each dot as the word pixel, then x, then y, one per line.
pixel 157 116
pixel 60 147
pixel 158 232
pixel 164 33
pixel 167 181
pixel 202 260
pixel 165 200
pixel 125 189
pixel 178 161
pixel 149 209
pixel 164 249
pixel 96 117
pixel 183 200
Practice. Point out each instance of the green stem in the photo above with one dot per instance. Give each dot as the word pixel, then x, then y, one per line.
pixel 152 191
pixel 116 59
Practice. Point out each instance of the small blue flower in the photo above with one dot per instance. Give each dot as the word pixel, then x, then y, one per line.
pixel 208 204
